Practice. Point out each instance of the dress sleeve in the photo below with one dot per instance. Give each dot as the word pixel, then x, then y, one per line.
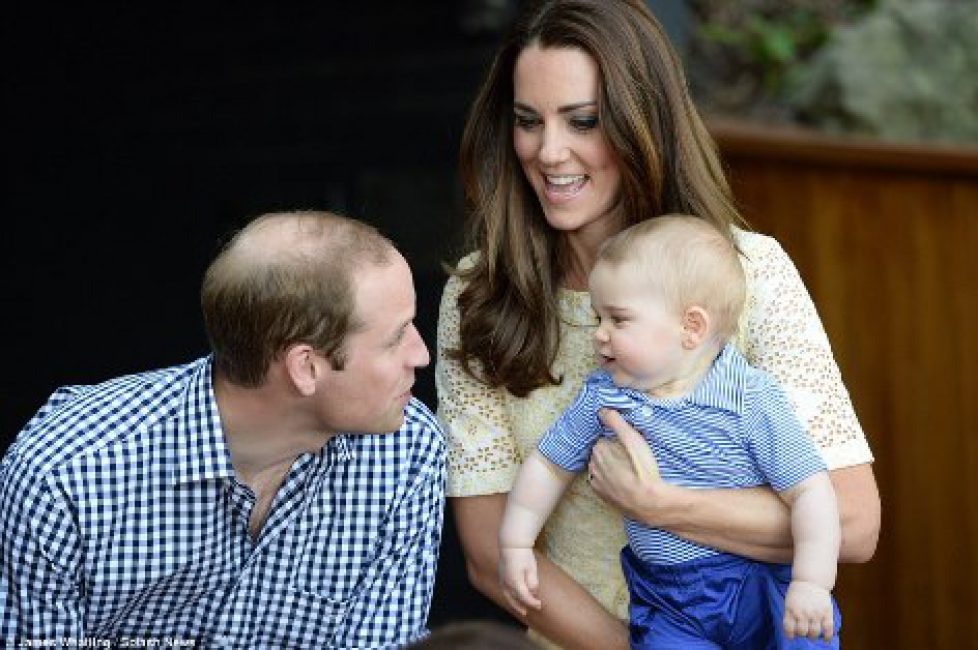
pixel 482 453
pixel 784 336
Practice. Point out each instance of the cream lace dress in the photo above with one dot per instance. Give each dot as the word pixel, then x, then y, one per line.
pixel 490 431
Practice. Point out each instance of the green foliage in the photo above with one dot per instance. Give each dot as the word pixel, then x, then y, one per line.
pixel 770 44
pixel 892 68
pixel 908 70
pixel 747 53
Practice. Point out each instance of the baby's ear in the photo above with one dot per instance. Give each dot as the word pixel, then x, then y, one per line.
pixel 696 326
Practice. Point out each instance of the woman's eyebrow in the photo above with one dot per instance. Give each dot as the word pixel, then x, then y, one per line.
pixel 563 109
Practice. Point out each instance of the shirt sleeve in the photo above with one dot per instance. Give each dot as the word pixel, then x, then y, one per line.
pixel 482 453
pixel 784 336
pixel 569 441
pixel 40 592
pixel 782 451
pixel 392 602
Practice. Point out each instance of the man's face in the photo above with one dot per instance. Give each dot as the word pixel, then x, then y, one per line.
pixel 369 394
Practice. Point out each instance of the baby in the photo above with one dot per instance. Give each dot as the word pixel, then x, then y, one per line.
pixel 669 292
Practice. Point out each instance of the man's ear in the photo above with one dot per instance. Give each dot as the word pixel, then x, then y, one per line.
pixel 696 326
pixel 303 367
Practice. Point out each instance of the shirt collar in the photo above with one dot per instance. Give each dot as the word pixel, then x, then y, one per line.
pixel 722 387
pixel 201 450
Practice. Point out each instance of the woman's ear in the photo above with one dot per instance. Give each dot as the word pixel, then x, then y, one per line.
pixel 303 368
pixel 696 327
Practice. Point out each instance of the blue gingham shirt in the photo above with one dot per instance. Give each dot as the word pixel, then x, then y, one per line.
pixel 736 429
pixel 123 522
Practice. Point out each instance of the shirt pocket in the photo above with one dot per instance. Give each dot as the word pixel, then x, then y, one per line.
pixel 302 620
pixel 332 552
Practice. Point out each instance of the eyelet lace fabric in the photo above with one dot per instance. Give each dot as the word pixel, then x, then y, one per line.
pixel 490 431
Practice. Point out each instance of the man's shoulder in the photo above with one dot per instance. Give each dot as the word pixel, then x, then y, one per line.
pixel 422 425
pixel 419 441
pixel 77 420
pixel 417 412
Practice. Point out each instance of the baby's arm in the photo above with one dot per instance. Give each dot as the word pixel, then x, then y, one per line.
pixel 535 494
pixel 816 533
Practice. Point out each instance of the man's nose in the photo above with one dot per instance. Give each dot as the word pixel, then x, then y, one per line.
pixel 419 355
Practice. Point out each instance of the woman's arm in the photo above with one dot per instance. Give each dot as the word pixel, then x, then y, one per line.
pixel 570 616
pixel 752 522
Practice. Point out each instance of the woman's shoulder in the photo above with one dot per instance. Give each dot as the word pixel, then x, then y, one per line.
pixel 760 251
pixel 456 277
pixel 749 241
pixel 468 261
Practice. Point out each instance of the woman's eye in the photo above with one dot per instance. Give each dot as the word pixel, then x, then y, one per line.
pixel 584 123
pixel 525 121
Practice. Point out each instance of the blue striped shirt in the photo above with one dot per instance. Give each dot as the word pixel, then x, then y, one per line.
pixel 123 521
pixel 736 429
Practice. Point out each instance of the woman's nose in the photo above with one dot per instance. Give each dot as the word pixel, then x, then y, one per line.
pixel 553 146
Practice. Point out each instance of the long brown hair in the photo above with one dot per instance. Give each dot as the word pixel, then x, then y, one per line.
pixel 509 330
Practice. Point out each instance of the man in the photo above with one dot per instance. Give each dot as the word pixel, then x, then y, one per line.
pixel 285 492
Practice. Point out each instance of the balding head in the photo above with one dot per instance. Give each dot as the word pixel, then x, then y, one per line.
pixel 286 278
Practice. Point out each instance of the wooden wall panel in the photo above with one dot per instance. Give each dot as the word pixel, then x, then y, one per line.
pixel 886 238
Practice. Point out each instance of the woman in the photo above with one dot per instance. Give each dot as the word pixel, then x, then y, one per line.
pixel 583 126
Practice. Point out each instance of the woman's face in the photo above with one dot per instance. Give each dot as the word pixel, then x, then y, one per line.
pixel 561 146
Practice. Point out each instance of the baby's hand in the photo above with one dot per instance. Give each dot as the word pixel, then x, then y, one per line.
pixel 808 611
pixel 518 577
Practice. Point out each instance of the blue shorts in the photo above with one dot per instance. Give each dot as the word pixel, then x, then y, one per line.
pixel 723 601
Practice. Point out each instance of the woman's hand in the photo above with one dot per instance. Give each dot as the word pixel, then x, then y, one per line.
pixel 753 522
pixel 624 472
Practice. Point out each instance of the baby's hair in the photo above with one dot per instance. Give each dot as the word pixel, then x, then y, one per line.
pixel 687 262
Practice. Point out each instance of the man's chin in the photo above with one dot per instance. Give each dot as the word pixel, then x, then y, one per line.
pixel 394 423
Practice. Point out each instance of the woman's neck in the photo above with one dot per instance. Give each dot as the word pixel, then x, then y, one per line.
pixel 578 249
pixel 576 264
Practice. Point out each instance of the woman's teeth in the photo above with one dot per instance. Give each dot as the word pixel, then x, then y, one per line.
pixel 565 180
pixel 565 185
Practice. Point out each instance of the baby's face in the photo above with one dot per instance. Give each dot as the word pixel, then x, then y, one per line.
pixel 639 338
